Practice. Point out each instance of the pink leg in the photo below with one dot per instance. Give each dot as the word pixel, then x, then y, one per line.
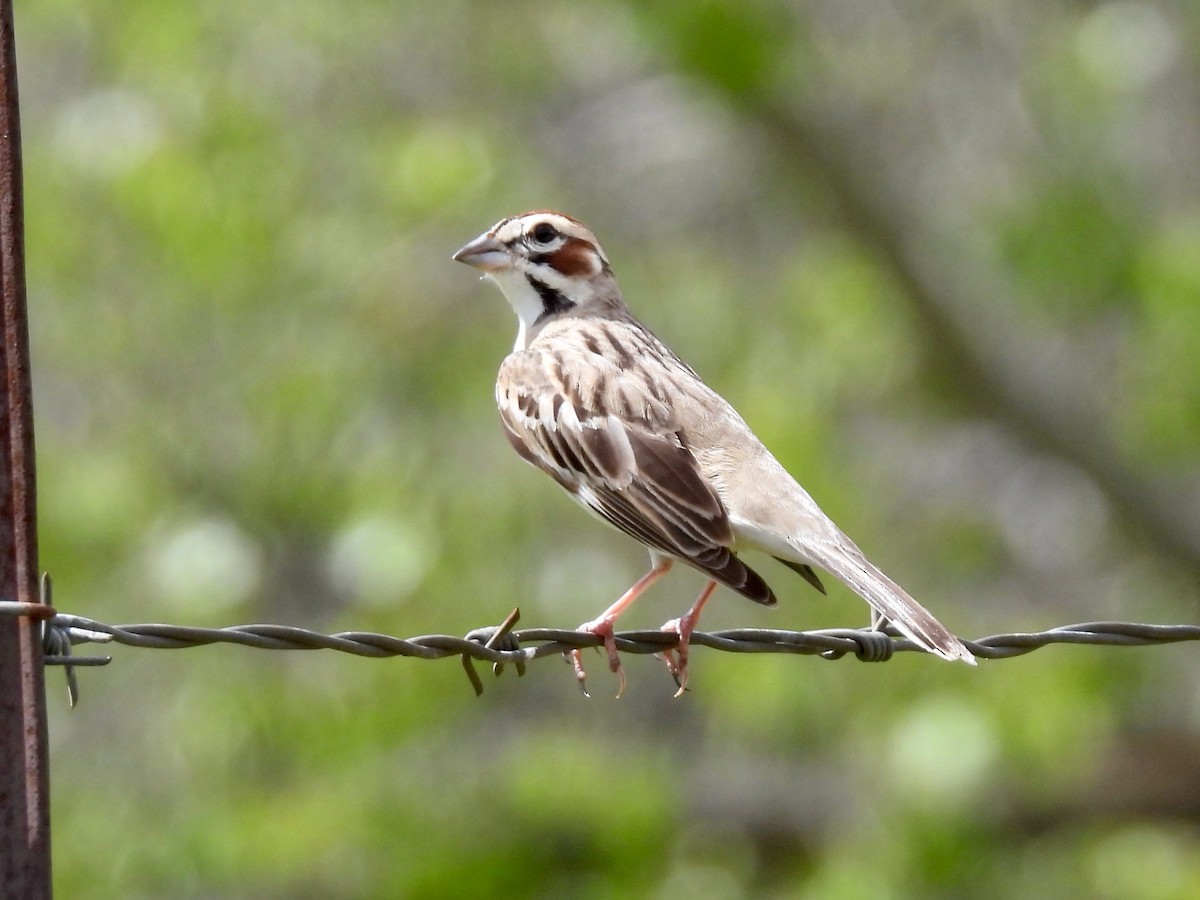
pixel 603 625
pixel 684 626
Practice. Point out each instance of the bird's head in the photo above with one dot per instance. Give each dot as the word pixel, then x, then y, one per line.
pixel 547 264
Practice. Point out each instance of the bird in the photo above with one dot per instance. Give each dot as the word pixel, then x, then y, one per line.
pixel 594 399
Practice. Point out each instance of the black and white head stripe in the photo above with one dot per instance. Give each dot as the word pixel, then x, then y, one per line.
pixel 541 236
pixel 553 300
pixel 547 265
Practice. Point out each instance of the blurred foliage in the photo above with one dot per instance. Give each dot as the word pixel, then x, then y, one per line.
pixel 263 393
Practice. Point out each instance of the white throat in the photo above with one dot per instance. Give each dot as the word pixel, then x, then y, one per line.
pixel 521 297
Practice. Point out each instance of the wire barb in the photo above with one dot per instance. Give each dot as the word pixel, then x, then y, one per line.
pixel 493 636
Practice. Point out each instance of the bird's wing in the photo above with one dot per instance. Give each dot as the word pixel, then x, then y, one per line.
pixel 611 440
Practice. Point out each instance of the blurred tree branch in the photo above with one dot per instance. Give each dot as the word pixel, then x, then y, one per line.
pixel 1036 386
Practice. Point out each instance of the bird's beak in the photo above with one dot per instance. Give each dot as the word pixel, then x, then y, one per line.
pixel 486 253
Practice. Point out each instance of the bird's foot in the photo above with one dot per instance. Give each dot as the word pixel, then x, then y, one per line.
pixel 603 628
pixel 677 657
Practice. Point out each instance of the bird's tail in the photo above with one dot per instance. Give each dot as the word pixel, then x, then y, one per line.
pixel 888 599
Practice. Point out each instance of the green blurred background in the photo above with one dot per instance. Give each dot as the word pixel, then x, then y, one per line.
pixel 945 258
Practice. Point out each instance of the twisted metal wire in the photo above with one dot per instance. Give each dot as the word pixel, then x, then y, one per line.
pixel 501 645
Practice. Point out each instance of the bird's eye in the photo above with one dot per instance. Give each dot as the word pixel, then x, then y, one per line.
pixel 543 233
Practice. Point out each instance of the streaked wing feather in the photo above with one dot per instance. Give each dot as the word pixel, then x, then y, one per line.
pixel 617 452
pixel 616 509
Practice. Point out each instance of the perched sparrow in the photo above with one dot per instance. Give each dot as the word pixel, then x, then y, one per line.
pixel 629 430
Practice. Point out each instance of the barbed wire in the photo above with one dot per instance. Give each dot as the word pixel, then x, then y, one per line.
pixel 501 645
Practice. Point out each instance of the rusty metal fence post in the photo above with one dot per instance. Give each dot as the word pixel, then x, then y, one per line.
pixel 24 774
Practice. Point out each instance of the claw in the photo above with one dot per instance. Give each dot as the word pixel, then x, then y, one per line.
pixel 575 657
pixel 620 673
pixel 677 659
pixel 603 628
